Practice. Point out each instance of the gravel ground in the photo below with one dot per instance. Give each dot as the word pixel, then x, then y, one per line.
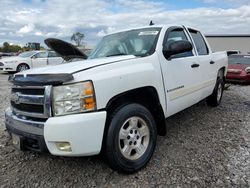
pixel 204 147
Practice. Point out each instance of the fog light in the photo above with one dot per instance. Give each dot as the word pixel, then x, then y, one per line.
pixel 63 146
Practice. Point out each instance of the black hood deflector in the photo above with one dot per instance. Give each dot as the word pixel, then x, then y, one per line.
pixel 40 79
pixel 66 50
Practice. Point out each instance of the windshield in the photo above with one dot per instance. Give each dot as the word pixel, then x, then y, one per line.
pixel 239 60
pixel 139 42
pixel 26 54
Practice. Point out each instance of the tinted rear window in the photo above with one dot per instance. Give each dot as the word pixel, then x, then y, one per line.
pixel 239 60
pixel 199 42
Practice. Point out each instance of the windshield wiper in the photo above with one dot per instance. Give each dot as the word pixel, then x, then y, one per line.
pixel 118 54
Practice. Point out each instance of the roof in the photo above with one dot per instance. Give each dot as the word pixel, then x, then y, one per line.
pixel 134 28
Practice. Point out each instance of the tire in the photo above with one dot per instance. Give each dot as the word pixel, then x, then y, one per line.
pixel 22 67
pixel 215 98
pixel 130 139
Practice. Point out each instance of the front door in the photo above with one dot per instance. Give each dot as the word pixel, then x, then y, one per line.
pixel 40 59
pixel 181 74
pixel 54 58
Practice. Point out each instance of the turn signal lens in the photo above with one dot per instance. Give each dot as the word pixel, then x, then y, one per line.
pixel 89 103
pixel 88 89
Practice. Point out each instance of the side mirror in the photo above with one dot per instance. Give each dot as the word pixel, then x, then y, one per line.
pixel 177 47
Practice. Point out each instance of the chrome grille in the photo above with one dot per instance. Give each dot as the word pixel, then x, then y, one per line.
pixel 31 101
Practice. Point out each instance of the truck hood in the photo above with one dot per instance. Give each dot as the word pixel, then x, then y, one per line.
pixel 77 66
pixel 66 50
pixel 56 75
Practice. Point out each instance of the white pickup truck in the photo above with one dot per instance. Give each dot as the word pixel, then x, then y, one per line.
pixel 117 100
pixel 28 60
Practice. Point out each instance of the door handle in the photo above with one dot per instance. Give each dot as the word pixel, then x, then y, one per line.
pixel 195 65
pixel 212 62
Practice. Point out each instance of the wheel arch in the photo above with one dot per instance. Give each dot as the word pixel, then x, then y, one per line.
pixel 222 72
pixel 23 63
pixel 146 96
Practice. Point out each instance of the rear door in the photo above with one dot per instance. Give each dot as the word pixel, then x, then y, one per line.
pixel 39 59
pixel 207 64
pixel 54 58
pixel 181 74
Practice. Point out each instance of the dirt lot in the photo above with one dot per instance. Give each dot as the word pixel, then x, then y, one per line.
pixel 204 147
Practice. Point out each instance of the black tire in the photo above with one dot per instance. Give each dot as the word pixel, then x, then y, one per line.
pixel 113 142
pixel 215 98
pixel 22 67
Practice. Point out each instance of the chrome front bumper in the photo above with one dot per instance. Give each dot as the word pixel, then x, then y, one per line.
pixel 31 133
pixel 14 123
pixel 83 131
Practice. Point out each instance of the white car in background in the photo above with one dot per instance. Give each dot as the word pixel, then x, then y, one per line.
pixel 30 59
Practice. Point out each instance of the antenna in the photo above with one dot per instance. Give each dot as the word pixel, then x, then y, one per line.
pixel 151 23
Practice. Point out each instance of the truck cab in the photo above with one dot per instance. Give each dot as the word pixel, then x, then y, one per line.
pixel 117 100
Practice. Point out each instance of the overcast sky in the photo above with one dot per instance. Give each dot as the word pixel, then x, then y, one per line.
pixel 23 21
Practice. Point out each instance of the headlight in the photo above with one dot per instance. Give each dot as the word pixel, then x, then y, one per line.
pixel 10 62
pixel 73 98
pixel 247 70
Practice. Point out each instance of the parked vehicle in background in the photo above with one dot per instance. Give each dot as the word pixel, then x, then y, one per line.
pixel 29 60
pixel 233 52
pixel 238 69
pixel 3 54
pixel 118 99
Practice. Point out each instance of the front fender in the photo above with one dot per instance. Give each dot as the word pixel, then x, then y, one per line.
pixel 114 79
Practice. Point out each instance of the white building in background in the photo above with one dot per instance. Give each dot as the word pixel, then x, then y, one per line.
pixel 229 42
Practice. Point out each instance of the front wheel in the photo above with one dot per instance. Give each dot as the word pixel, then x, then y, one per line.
pixel 215 98
pixel 22 67
pixel 131 138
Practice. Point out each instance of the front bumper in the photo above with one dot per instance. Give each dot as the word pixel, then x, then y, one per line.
pixel 30 132
pixel 84 132
pixel 8 67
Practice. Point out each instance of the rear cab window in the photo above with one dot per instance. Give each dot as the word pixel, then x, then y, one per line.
pixel 201 46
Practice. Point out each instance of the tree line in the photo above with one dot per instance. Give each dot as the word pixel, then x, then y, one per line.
pixel 12 48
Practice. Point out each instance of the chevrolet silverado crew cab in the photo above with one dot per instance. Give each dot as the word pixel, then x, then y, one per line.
pixel 117 100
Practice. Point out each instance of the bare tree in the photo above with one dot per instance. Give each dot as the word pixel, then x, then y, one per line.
pixel 77 38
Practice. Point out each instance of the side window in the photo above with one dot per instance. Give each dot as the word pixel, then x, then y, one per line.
pixel 53 54
pixel 199 41
pixel 177 35
pixel 41 55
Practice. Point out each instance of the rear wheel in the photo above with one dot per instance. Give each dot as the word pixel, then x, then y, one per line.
pixel 215 98
pixel 131 138
pixel 22 67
